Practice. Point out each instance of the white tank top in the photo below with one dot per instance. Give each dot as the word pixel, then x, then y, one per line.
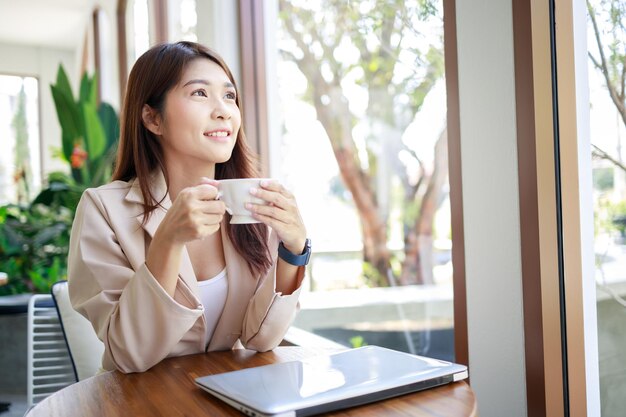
pixel 213 296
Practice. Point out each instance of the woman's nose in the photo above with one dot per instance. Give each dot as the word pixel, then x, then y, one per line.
pixel 220 111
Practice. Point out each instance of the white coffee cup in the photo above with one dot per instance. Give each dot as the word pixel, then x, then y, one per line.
pixel 235 193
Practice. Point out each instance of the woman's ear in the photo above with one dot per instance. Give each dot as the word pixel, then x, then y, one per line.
pixel 151 119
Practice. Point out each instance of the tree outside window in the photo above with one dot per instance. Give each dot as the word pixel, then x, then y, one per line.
pixel 364 148
pixel 20 166
pixel 363 70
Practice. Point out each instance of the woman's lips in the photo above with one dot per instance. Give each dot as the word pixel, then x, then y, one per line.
pixel 218 135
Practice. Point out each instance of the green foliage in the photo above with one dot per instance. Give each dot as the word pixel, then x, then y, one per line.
pixel 61 191
pixel 33 246
pixel 89 130
pixel 34 238
pixel 610 217
pixel 603 178
pixel 372 277
pixel 617 214
pixel 357 342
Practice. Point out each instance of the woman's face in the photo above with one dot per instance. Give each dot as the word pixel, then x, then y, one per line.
pixel 200 122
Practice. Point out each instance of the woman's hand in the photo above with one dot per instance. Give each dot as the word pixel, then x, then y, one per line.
pixel 281 214
pixel 194 214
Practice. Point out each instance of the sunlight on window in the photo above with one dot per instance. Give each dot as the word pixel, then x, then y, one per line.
pixel 188 20
pixel 393 145
pixel 141 27
pixel 606 35
pixel 20 167
pixel 363 146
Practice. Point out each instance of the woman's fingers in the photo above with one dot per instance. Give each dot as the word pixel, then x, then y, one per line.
pixel 212 207
pixel 279 211
pixel 275 186
pixel 274 194
pixel 270 212
pixel 205 192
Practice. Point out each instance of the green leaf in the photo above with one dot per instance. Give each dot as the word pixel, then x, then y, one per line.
pixel 47 234
pixel 110 123
pixel 88 90
pixel 67 140
pixel 95 140
pixel 63 83
pixel 93 91
pixel 69 119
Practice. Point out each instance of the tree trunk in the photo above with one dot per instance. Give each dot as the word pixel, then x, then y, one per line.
pixel 417 267
pixel 374 231
pixel 337 122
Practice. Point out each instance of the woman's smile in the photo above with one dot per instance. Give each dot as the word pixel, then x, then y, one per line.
pixel 220 135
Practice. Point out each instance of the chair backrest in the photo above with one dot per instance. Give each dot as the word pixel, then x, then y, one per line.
pixel 48 363
pixel 85 348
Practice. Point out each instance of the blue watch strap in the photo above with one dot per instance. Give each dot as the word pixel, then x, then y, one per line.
pixel 296 260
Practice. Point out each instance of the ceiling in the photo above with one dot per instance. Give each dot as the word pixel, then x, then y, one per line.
pixel 48 23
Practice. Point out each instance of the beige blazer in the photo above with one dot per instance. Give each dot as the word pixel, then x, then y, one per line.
pixel 138 322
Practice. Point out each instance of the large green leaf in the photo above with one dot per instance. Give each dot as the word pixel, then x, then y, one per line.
pixel 69 118
pixel 63 83
pixel 88 90
pixel 95 140
pixel 110 123
pixel 59 193
pixel 48 233
pixel 67 140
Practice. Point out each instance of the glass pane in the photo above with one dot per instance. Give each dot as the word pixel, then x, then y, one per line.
pixel 141 29
pixel 20 166
pixel 364 148
pixel 608 131
pixel 183 20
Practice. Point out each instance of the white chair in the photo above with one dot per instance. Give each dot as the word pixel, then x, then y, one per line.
pixel 85 348
pixel 49 365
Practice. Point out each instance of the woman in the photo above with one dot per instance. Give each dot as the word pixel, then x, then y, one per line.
pixel 154 263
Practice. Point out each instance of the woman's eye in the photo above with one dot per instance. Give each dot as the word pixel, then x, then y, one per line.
pixel 200 93
pixel 231 96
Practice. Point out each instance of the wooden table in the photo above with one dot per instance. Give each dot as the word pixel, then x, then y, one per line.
pixel 168 389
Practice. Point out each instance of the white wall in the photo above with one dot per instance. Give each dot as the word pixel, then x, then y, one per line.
pixel 491 206
pixel 41 63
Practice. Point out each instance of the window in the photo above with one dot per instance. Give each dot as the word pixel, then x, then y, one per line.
pixel 102 49
pixel 138 21
pixel 183 20
pixel 607 54
pixel 20 162
pixel 363 145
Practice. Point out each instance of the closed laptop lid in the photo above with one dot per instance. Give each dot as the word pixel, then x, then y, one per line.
pixel 329 382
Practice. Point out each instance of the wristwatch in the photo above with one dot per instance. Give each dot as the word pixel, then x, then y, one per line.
pixel 296 260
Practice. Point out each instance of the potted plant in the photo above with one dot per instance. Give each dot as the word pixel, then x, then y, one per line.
pixel 33 242
pixel 34 237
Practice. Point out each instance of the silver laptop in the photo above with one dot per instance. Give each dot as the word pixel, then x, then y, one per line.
pixel 329 382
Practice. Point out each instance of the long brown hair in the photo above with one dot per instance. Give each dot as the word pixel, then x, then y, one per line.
pixel 139 154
